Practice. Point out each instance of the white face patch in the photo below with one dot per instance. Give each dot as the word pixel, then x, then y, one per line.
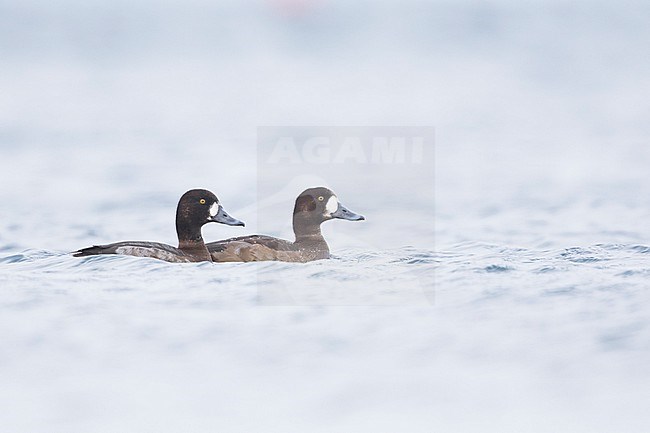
pixel 214 209
pixel 332 205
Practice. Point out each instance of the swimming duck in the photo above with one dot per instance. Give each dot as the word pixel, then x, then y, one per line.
pixel 196 208
pixel 313 207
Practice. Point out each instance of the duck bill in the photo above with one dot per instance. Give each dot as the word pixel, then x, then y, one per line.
pixel 223 218
pixel 346 214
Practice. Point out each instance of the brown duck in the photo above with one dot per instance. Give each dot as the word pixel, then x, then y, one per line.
pixel 196 208
pixel 313 207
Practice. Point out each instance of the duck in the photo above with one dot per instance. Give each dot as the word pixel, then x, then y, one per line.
pixel 313 207
pixel 196 208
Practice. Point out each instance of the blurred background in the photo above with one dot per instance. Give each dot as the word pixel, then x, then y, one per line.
pixel 534 104
pixel 110 110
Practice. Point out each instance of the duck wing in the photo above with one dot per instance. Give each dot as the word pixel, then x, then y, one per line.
pixel 154 250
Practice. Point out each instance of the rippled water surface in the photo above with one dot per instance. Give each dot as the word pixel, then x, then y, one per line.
pixel 504 288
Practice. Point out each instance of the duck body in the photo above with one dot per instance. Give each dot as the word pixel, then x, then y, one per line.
pixel 313 207
pixel 258 248
pixel 154 250
pixel 196 208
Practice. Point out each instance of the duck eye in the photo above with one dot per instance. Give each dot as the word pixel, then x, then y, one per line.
pixel 202 201
pixel 321 198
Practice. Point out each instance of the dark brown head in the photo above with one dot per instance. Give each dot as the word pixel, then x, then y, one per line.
pixel 316 205
pixel 196 208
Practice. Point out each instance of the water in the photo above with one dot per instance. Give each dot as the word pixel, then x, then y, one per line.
pixel 518 303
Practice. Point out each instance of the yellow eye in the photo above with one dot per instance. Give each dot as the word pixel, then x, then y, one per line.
pixel 321 198
pixel 202 201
